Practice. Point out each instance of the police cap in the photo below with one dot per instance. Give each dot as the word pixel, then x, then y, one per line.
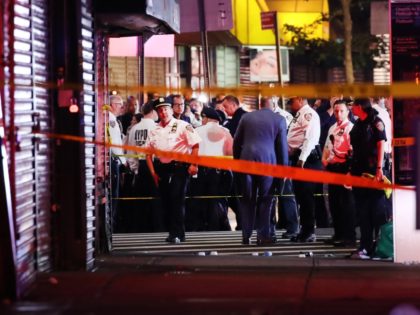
pixel 161 101
pixel 210 113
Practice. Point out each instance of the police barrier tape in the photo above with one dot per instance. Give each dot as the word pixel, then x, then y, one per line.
pixel 396 89
pixel 248 167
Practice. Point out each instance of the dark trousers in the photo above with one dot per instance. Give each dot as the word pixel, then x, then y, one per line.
pixel 173 182
pixel 287 211
pixel 147 213
pixel 322 216
pixel 342 208
pixel 256 205
pixel 126 207
pixel 207 214
pixel 234 202
pixel 372 214
pixel 304 192
pixel 115 194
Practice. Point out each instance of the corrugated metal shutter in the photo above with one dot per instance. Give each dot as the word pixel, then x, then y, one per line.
pixel 124 75
pixel 154 72
pixel 27 47
pixel 227 66
pixel 87 97
pixel 43 115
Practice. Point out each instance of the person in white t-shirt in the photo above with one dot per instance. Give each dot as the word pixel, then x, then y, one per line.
pixel 211 214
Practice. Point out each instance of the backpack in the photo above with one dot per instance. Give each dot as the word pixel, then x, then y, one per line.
pixel 385 243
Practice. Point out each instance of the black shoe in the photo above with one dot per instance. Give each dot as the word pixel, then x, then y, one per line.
pixel 266 241
pixel 288 235
pixel 304 238
pixel 175 240
pixel 246 241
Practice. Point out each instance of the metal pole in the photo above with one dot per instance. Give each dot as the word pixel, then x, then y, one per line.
pixel 140 48
pixel 276 33
pixel 204 43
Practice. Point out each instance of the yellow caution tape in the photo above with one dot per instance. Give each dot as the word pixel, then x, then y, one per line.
pixel 248 167
pixel 396 89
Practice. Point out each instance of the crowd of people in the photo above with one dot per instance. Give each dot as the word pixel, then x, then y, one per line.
pixel 341 135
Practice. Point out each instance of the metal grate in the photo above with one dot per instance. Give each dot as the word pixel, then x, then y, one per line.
pixel 28 106
pixel 87 99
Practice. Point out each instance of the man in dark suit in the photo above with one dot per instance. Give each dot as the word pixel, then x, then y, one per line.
pixel 261 137
pixel 233 109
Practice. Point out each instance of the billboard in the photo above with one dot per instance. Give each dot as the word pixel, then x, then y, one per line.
pixel 263 64
pixel 405 23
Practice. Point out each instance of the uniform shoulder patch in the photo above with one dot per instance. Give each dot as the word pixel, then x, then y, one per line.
pixel 112 123
pixel 308 116
pixel 380 126
pixel 189 128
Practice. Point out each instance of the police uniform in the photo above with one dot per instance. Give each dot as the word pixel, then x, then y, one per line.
pixel 117 159
pixel 216 141
pixel 341 201
pixel 302 139
pixel 369 202
pixel 384 116
pixel 260 137
pixel 147 214
pixel 177 136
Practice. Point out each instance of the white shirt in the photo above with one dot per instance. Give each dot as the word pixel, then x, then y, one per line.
pixel 177 136
pixel 137 137
pixel 216 140
pixel 285 114
pixel 338 149
pixel 115 136
pixel 195 120
pixel 304 132
pixel 384 116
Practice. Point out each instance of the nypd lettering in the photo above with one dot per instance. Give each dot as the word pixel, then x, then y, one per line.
pixel 140 137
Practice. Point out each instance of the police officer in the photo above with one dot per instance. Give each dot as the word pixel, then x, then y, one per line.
pixel 147 216
pixel 216 141
pixel 171 177
pixel 368 141
pixel 336 158
pixel 260 137
pixel 117 159
pixel 304 152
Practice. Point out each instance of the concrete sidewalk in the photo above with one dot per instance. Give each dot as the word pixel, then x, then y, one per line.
pixel 225 285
